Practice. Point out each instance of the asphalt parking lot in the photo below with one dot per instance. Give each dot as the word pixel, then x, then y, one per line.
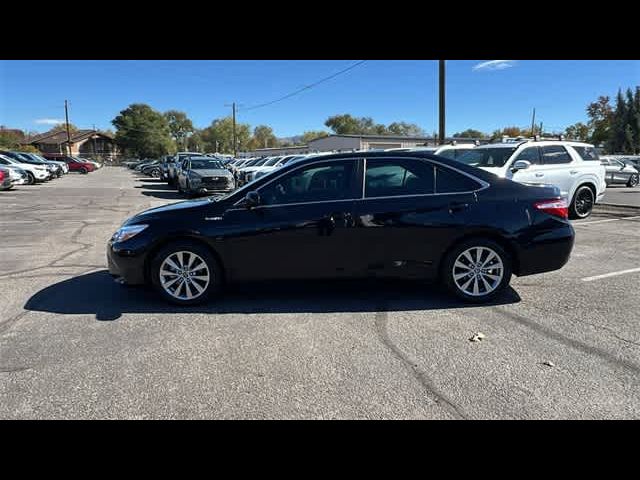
pixel 74 344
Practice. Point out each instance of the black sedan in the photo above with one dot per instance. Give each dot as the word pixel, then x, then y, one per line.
pixel 383 214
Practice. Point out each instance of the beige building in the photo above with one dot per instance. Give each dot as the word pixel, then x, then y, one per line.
pixel 86 143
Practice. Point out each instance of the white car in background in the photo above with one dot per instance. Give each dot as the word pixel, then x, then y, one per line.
pixel 35 173
pixel 452 150
pixel 574 167
pixel 18 175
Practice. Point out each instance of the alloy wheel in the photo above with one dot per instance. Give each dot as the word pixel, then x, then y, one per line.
pixel 478 271
pixel 584 202
pixel 184 275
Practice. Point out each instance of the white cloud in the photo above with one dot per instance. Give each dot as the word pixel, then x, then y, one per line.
pixel 48 121
pixel 494 65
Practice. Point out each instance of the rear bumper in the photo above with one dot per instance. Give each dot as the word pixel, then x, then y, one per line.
pixel 546 251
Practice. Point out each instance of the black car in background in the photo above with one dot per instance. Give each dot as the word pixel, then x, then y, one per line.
pixel 381 214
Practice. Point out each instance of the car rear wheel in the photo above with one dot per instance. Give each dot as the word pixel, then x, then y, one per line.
pixel 83 170
pixel 476 270
pixel 633 180
pixel 582 203
pixel 186 273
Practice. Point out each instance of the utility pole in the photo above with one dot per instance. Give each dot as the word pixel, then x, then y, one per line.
pixel 533 123
pixel 441 135
pixel 95 152
pixel 541 130
pixel 66 116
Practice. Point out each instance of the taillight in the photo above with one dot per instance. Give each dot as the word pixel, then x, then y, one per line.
pixel 557 207
pixel 1 175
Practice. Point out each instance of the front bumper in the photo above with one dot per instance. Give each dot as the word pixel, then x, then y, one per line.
pixel 126 264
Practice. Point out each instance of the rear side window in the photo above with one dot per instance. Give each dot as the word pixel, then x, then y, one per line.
pixel 395 177
pixel 555 155
pixel 587 153
pixel 451 153
pixel 449 181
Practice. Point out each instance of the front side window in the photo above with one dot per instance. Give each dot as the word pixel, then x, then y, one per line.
pixel 531 155
pixel 313 183
pixel 397 177
pixel 555 155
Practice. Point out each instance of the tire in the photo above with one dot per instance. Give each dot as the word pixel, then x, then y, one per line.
pixel 582 203
pixel 155 173
pixel 83 171
pixel 31 179
pixel 633 180
pixel 471 288
pixel 176 253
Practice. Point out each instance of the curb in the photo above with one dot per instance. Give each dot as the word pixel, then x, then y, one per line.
pixel 615 208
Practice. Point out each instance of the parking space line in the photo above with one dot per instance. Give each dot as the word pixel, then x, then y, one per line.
pixel 612 274
pixel 605 221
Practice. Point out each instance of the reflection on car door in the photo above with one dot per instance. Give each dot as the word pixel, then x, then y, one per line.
pixel 303 228
pixel 410 212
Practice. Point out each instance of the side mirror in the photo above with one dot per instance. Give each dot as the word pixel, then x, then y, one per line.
pixel 251 200
pixel 520 165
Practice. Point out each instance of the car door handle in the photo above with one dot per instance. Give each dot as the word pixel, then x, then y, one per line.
pixel 539 174
pixel 573 172
pixel 457 206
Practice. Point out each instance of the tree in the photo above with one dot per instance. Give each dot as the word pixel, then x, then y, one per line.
pixel 313 135
pixel 344 124
pixel 9 139
pixel 179 125
pixel 195 143
pixel 221 131
pixel 264 137
pixel 470 133
pixel 62 127
pixel 617 131
pixel 600 116
pixel 405 129
pixel 142 131
pixel 578 131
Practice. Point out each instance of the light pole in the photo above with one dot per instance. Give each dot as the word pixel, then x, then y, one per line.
pixel 441 112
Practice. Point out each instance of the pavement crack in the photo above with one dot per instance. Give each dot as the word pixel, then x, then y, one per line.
pixel 381 320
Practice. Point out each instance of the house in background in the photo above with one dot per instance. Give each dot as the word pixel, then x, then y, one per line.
pixel 84 143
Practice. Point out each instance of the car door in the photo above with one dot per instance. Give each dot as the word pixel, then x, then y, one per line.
pixel 559 167
pixel 182 173
pixel 302 228
pixel 619 175
pixel 531 174
pixel 410 211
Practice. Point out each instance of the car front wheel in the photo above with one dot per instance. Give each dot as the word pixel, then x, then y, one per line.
pixel 31 179
pixel 633 180
pixel 186 273
pixel 476 270
pixel 582 203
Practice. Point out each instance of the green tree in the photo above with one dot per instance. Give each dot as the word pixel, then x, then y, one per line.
pixel 578 131
pixel 405 129
pixel 470 133
pixel 344 124
pixel 264 137
pixel 221 131
pixel 195 143
pixel 9 140
pixel 600 116
pixel 313 135
pixel 62 127
pixel 618 131
pixel 142 131
pixel 180 126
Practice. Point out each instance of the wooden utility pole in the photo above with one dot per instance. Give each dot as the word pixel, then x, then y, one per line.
pixel 441 133
pixel 66 116
pixel 533 123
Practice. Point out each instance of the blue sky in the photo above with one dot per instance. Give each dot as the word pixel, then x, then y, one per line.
pixel 481 94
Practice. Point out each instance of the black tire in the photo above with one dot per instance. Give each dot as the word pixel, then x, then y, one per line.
pixel 448 270
pixel 633 180
pixel 155 173
pixel 214 269
pixel 581 203
pixel 83 171
pixel 31 179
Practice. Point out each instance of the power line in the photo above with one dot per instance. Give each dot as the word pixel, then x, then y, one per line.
pixel 307 87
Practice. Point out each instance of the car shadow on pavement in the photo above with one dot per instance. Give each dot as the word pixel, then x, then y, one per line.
pixel 98 294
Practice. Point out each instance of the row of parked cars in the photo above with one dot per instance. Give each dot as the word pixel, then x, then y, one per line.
pixel 25 168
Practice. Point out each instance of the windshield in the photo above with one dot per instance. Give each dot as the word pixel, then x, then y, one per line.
pixel 487 157
pixel 206 164
pixel 28 159
pixel 271 162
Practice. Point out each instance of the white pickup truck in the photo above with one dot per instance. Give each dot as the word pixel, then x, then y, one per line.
pixel 573 167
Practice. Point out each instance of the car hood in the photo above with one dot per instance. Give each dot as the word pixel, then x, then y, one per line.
pixel 213 172
pixel 159 212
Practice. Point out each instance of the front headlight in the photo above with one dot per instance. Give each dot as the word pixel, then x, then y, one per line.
pixel 125 233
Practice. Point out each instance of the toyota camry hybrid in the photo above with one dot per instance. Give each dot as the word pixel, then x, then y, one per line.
pixel 380 214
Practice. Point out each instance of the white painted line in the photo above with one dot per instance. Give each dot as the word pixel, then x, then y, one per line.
pixel 605 221
pixel 612 274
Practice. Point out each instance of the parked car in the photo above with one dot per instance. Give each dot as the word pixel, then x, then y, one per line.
pixel 54 168
pixel 35 173
pixel 5 179
pixel 75 164
pixel 17 175
pixel 204 175
pixel 172 170
pixel 64 167
pixel 573 167
pixel 386 214
pixel 451 150
pixel 22 158
pixel 619 172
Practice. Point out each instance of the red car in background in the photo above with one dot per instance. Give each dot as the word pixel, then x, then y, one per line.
pixel 75 164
